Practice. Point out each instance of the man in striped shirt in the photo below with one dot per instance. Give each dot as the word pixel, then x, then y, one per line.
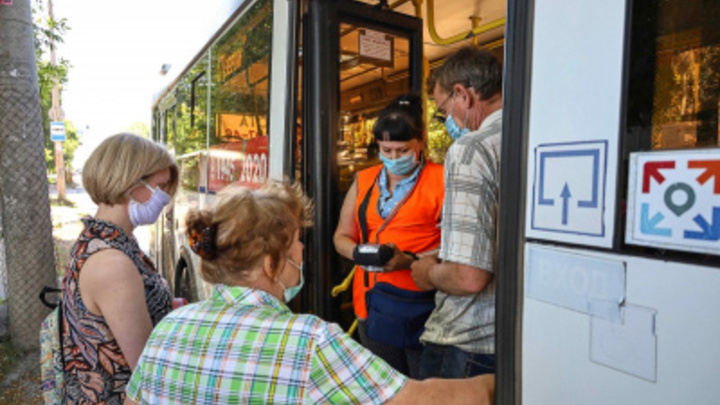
pixel 459 337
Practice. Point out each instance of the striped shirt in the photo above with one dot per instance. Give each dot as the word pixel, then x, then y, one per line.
pixel 469 236
pixel 244 346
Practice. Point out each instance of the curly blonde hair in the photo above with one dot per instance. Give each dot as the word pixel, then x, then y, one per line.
pixel 244 226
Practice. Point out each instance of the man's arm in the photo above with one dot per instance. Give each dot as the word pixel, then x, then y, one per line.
pixel 478 390
pixel 449 277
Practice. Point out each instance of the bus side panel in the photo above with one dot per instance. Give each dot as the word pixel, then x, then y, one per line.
pixel 577 67
pixel 557 342
pixel 568 358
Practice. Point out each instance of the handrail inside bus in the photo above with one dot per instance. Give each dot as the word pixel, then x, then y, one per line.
pixel 500 22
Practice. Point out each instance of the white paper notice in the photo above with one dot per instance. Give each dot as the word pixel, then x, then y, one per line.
pixel 375 45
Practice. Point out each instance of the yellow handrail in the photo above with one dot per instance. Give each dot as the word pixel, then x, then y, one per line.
pixel 353 327
pixel 342 287
pixel 459 37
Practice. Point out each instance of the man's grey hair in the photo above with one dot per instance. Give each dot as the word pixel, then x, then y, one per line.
pixel 471 67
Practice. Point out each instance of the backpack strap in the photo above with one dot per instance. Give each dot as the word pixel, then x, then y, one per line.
pixel 43 296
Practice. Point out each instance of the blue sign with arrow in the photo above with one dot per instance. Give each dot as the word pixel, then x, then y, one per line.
pixel 569 188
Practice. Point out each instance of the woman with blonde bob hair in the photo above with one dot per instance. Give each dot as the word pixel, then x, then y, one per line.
pixel 112 294
pixel 243 345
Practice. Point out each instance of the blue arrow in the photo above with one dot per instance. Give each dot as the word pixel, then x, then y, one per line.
pixel 648 226
pixel 565 196
pixel 709 232
pixel 593 153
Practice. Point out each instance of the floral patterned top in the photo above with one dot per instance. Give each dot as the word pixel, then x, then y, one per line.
pixel 96 372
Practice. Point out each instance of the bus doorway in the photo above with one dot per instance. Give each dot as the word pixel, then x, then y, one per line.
pixel 357 58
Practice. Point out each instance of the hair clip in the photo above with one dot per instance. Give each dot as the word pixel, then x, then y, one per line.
pixel 203 242
pixel 404 102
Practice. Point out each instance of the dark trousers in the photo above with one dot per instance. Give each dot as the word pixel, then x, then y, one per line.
pixel 406 361
pixel 450 362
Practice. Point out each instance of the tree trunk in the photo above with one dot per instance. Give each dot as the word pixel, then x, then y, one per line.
pixel 27 228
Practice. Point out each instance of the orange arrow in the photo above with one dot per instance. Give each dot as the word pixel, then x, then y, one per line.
pixel 712 168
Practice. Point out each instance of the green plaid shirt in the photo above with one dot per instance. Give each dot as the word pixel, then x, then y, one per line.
pixel 243 346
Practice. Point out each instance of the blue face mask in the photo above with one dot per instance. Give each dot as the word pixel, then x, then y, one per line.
pixel 453 129
pixel 291 292
pixel 400 166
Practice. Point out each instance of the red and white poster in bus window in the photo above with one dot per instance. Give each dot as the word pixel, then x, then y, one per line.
pixel 244 162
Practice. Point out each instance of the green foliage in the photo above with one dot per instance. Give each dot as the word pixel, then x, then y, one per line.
pixel 48 34
pixel 139 128
pixel 438 141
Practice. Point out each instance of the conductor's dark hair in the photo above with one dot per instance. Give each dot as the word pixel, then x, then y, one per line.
pixel 402 120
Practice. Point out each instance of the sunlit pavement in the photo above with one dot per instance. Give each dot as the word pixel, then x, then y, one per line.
pixel 84 206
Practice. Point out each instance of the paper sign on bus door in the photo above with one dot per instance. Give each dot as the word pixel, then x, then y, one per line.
pixel 674 200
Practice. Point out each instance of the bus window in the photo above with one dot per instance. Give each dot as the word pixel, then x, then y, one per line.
pixel 438 141
pixel 241 76
pixel 676 43
pixel 170 128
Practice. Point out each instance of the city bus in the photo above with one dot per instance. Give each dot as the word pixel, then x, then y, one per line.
pixel 609 222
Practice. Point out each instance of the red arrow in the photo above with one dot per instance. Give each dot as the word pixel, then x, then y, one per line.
pixel 712 168
pixel 652 170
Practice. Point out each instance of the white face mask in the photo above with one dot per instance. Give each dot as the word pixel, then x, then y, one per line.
pixel 148 212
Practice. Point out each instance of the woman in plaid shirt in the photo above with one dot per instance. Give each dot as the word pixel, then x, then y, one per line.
pixel 244 346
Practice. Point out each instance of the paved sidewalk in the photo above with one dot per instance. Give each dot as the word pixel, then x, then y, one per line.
pixel 84 206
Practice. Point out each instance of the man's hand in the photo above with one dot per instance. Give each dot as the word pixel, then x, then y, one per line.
pixel 421 272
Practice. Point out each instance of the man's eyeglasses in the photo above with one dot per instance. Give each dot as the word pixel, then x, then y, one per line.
pixel 441 115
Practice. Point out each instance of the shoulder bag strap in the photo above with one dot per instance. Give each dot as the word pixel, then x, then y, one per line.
pixel 362 220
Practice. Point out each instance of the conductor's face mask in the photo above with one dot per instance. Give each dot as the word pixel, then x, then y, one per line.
pixel 148 212
pixel 402 165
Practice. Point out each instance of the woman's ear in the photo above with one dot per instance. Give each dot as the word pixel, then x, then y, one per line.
pixel 268 268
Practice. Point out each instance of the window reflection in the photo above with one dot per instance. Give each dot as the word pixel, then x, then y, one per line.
pixel 241 60
pixel 687 74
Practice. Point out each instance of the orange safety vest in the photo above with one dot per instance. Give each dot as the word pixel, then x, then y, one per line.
pixel 412 226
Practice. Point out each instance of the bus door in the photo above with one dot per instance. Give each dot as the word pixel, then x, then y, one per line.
pixel 163 231
pixel 356 59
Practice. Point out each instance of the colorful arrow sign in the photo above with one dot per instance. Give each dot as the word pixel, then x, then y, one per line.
pixel 652 170
pixel 712 169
